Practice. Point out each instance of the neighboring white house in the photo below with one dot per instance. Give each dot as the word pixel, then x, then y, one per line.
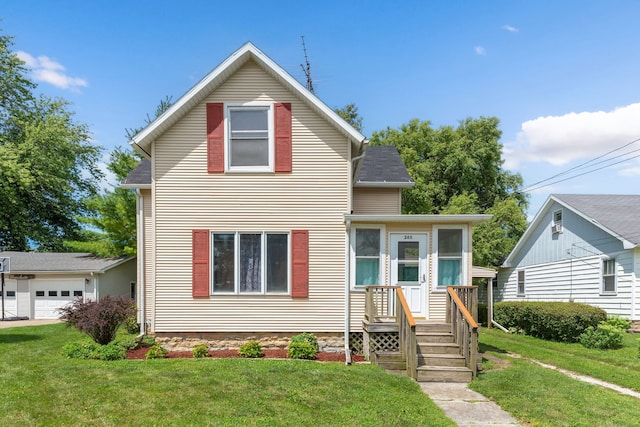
pixel 582 248
pixel 38 284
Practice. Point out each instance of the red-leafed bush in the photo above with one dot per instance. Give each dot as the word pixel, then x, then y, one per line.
pixel 98 319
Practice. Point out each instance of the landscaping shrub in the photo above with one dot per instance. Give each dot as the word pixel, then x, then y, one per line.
pixel 604 337
pixel 305 337
pixel 303 346
pixel 251 349
pixel 128 343
pixel 157 352
pixel 80 350
pixel 131 325
pixel 91 350
pixel 302 350
pixel 555 321
pixel 619 323
pixel 111 351
pixel 200 351
pixel 99 319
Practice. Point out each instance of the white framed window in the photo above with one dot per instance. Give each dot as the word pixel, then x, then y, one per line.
pixel 521 283
pixel 608 276
pixel 367 256
pixel 249 137
pixel 449 263
pixel 250 263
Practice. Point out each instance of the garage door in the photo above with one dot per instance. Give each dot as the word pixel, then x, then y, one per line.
pixel 49 297
pixel 10 303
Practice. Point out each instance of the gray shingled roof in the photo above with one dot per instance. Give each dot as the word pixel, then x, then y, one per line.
pixel 382 166
pixel 40 262
pixel 140 176
pixel 618 213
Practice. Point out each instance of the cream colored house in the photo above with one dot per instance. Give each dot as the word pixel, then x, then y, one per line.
pixel 262 213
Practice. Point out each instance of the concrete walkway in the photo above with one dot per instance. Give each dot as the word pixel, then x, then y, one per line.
pixel 467 407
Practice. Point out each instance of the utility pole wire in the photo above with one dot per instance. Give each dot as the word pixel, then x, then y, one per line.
pixel 533 188
pixel 580 166
pixel 307 67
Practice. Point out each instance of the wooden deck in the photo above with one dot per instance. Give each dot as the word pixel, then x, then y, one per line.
pixel 427 351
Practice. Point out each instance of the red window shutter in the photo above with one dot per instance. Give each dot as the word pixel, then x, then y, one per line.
pixel 200 263
pixel 299 263
pixel 215 137
pixel 282 132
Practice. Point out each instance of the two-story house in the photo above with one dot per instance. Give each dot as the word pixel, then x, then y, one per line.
pixel 262 213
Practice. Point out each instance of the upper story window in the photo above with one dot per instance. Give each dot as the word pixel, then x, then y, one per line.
pixel 556 227
pixel 249 138
pixel 608 276
pixel 450 257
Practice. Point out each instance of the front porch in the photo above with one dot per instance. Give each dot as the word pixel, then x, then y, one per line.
pixel 425 350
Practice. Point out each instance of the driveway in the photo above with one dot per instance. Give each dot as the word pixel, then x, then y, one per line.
pixel 15 323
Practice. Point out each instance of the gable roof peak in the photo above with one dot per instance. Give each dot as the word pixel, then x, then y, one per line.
pixel 199 92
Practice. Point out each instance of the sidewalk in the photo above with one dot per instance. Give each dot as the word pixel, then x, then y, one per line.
pixel 467 407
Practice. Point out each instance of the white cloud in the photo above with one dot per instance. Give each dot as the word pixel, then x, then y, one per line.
pixel 44 69
pixel 480 50
pixel 559 140
pixel 510 28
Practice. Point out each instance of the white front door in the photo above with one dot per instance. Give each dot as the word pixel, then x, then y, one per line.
pixel 409 269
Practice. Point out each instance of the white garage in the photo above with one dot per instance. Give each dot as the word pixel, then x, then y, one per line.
pixel 41 283
pixel 50 295
pixel 10 302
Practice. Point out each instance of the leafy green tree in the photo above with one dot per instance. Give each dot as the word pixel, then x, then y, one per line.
pixel 459 171
pixel 47 164
pixel 350 114
pixel 111 227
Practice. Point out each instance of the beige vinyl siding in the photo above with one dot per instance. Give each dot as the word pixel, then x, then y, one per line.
pixel 314 197
pixel 149 256
pixel 379 201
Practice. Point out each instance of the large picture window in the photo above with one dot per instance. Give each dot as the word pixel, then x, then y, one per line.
pixel 367 256
pixel 249 138
pixel 450 256
pixel 246 263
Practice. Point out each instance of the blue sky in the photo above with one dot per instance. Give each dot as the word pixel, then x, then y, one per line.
pixel 563 77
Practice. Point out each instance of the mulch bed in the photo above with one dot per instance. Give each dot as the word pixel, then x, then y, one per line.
pixel 141 352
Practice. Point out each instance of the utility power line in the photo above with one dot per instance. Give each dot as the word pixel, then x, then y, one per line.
pixel 590 165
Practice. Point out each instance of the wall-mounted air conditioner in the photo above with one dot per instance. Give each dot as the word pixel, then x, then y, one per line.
pixel 556 228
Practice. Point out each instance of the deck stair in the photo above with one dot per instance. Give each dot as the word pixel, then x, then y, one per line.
pixel 439 358
pixel 425 350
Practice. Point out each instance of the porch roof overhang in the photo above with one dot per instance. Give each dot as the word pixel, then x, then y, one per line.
pixel 427 219
pixel 483 272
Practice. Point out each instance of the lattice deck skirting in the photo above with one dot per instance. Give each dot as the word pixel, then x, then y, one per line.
pixel 379 341
pixel 355 342
pixel 384 341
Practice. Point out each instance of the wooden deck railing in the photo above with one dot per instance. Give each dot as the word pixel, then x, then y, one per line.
pixel 462 301
pixel 387 303
pixel 407 334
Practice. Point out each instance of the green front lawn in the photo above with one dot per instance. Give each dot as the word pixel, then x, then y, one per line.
pixel 621 366
pixel 38 386
pixel 543 397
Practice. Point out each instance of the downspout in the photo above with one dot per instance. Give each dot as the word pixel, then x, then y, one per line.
pixel 347 294
pixel 140 249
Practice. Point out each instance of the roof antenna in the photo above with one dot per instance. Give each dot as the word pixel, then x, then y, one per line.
pixel 307 69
